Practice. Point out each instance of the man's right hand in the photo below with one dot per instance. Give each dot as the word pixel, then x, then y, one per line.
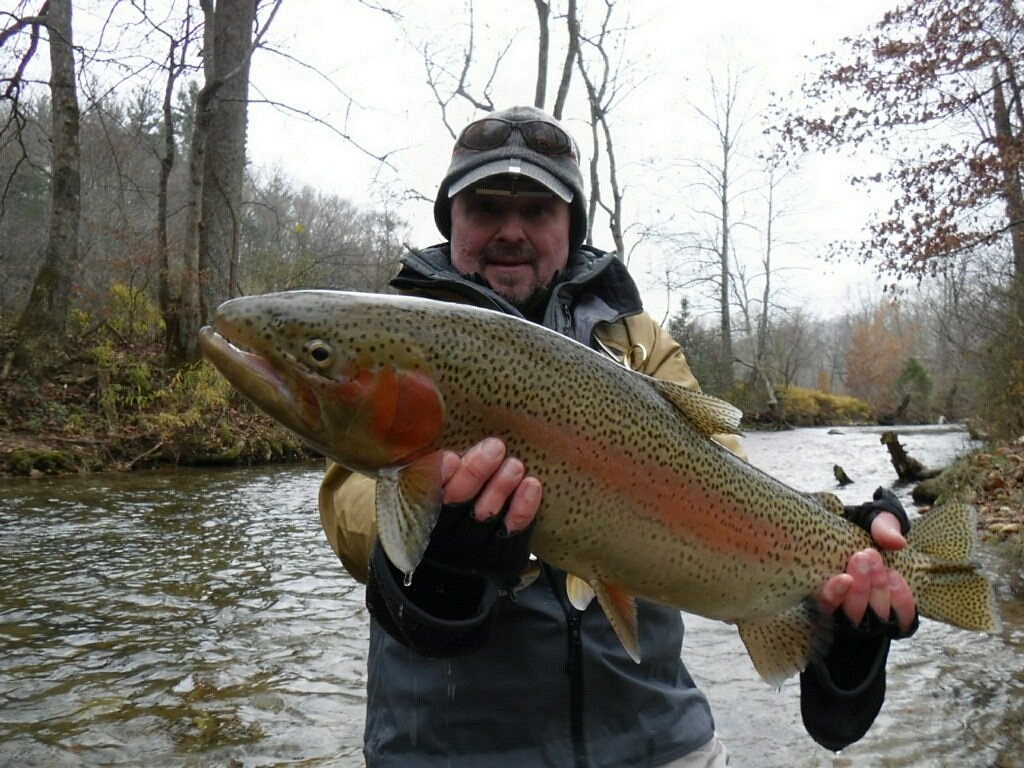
pixel 485 473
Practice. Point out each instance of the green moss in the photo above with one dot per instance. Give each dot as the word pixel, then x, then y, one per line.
pixel 24 461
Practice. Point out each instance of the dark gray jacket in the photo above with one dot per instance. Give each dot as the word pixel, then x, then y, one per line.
pixel 551 686
pixel 534 682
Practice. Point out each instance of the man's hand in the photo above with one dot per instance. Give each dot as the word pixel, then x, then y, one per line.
pixel 867 582
pixel 487 474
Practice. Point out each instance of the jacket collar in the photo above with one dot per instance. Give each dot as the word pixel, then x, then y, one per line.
pixel 429 272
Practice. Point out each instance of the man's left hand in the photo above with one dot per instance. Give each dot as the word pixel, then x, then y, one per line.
pixel 868 583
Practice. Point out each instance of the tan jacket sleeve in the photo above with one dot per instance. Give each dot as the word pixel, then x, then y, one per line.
pixel 348 515
pixel 347 499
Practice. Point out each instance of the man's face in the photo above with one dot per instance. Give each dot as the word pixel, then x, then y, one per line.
pixel 516 243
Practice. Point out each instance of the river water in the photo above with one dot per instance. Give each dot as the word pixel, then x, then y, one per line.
pixel 200 619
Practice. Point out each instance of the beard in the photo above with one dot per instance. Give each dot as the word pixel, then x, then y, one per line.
pixel 522 294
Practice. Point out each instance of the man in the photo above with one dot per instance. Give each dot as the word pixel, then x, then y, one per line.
pixel 466 668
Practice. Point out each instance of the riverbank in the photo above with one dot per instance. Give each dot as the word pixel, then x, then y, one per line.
pixel 116 409
pixel 992 477
pixel 125 415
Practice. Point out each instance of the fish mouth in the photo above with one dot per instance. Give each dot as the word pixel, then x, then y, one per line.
pixel 286 398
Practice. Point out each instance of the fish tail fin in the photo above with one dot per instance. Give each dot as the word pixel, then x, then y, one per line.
pixel 944 575
pixel 784 644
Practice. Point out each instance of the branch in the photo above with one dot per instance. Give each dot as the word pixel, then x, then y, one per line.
pixel 332 128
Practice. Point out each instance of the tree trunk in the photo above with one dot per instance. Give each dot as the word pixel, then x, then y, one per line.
pixel 170 308
pixel 725 351
pixel 224 168
pixel 216 167
pixel 543 45
pixel 43 324
pixel 1009 154
pixel 573 28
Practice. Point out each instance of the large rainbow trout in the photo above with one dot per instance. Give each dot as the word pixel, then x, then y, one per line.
pixel 638 500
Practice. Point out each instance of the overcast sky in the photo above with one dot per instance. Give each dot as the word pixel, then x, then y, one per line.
pixel 366 76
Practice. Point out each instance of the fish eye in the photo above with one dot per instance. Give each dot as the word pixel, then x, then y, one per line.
pixel 319 352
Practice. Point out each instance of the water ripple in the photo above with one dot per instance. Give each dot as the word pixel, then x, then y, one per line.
pixel 201 619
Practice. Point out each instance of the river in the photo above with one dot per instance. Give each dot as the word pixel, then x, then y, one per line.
pixel 199 618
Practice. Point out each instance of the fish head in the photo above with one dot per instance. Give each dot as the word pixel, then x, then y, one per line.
pixel 334 368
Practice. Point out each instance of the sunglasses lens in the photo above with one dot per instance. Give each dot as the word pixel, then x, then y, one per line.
pixel 485 134
pixel 546 138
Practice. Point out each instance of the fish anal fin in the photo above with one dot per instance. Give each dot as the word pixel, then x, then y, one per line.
pixel 707 414
pixel 782 645
pixel 620 608
pixel 579 591
pixel 408 505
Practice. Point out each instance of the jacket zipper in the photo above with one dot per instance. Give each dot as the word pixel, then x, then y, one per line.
pixel 576 687
pixel 573 668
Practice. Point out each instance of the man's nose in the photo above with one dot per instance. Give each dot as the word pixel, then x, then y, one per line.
pixel 512 228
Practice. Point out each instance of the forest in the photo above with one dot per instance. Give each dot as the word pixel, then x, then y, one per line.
pixel 129 209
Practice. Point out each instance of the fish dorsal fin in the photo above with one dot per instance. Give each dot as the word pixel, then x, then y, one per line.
pixel 408 505
pixel 784 644
pixel 580 593
pixel 829 501
pixel 620 608
pixel 709 415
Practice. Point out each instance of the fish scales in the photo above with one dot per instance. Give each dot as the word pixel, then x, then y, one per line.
pixel 638 501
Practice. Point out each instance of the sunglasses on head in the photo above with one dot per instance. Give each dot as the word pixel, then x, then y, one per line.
pixel 540 136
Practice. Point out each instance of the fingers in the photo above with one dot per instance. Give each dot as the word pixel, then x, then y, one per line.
pixel 868 584
pixel 885 530
pixel 902 598
pixel 524 505
pixel 834 592
pixel 486 474
pixel 463 477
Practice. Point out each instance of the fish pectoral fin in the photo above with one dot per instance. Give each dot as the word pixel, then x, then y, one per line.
pixel 620 608
pixel 707 414
pixel 580 593
pixel 408 505
pixel 782 645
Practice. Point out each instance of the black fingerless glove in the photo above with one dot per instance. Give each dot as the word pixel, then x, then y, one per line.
pixel 460 541
pixel 883 500
pixel 450 603
pixel 841 695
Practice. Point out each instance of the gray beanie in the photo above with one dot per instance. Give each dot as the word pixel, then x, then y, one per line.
pixel 559 173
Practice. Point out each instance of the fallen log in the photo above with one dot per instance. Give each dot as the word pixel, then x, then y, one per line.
pixel 908 469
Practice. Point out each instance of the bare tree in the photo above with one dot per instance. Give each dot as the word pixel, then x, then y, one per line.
pixel 543 48
pixel 177 55
pixel 216 163
pixel 601 79
pixel 452 80
pixel 727 121
pixel 572 48
pixel 43 323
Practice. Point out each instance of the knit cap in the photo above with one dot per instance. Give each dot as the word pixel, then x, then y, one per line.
pixel 559 173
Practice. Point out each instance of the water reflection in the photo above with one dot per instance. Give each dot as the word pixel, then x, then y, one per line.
pixel 197 619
